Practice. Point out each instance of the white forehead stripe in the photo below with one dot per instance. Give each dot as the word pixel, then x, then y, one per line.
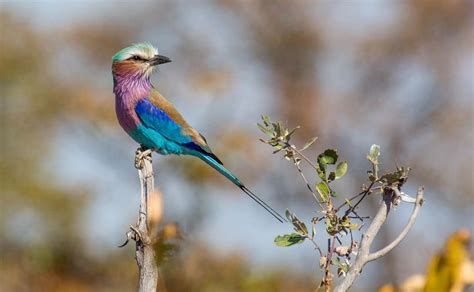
pixel 144 50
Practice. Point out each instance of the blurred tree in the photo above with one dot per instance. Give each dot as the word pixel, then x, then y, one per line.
pixel 286 41
pixel 433 37
pixel 451 269
pixel 52 78
pixel 31 109
pixel 40 220
pixel 229 273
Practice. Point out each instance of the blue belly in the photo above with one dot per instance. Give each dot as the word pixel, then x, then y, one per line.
pixel 152 139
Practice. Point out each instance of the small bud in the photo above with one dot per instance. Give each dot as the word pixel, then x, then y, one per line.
pixel 341 272
pixel 355 248
pixel 322 262
pixel 342 250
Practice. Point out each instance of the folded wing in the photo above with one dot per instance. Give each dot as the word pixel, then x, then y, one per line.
pixel 160 115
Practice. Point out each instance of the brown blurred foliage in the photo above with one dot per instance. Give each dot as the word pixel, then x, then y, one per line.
pixel 53 78
pixel 203 270
pixel 35 103
pixel 287 41
pixel 451 269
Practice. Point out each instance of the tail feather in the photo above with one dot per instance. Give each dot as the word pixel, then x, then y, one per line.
pixel 229 175
pixel 263 204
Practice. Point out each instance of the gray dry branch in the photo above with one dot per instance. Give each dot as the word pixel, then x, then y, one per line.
pixel 391 197
pixel 140 233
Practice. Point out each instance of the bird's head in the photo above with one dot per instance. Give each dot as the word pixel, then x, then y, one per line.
pixel 137 60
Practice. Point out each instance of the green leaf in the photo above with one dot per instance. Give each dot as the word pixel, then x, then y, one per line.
pixel 329 156
pixel 277 128
pixel 374 154
pixel 262 128
pixel 321 170
pixel 289 239
pixel 353 226
pixel 299 225
pixel 397 177
pixel 266 120
pixel 309 143
pixel 341 169
pixel 267 131
pixel 323 190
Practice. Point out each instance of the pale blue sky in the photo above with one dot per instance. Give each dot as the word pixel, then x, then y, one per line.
pixel 234 222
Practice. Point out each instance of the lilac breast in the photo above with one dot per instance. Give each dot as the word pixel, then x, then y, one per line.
pixel 126 115
pixel 128 91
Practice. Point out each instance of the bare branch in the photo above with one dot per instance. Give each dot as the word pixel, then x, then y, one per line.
pixel 148 216
pixel 301 155
pixel 144 252
pixel 316 246
pixel 401 236
pixel 352 208
pixel 306 182
pixel 364 256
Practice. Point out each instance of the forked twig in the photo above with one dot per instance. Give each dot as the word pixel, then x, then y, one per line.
pixel 364 255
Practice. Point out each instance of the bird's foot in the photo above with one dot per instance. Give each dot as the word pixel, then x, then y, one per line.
pixel 140 154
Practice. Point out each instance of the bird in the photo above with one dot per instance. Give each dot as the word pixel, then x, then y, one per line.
pixel 152 121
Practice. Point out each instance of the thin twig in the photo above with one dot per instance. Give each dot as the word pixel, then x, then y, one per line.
pixel 307 183
pixel 315 245
pixel 299 153
pixel 354 197
pixel 380 253
pixel 327 273
pixel 364 256
pixel 352 242
pixel 359 217
pixel 352 208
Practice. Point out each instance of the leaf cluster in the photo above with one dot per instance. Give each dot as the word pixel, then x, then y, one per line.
pixel 324 160
pixel 327 169
pixel 278 137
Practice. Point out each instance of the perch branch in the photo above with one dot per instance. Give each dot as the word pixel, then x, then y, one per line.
pixel 364 256
pixel 140 233
pixel 144 253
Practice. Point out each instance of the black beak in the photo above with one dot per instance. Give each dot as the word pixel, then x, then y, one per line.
pixel 159 59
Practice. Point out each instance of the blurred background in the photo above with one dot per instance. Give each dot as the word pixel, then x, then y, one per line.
pixel 398 74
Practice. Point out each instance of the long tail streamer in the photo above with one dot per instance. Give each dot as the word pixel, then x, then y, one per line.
pixel 263 204
pixel 227 173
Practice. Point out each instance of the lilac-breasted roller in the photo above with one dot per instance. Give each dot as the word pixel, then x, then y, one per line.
pixel 152 121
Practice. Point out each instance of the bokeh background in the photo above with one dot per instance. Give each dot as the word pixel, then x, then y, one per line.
pixel 395 73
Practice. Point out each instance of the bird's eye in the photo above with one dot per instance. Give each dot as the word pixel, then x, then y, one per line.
pixel 136 58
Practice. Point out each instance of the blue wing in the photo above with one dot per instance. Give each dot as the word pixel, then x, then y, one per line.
pixel 177 133
pixel 155 118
